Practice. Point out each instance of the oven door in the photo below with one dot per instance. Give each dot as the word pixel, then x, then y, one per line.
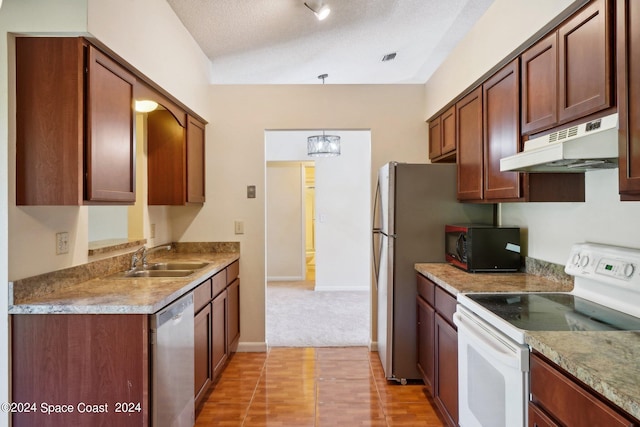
pixel 493 375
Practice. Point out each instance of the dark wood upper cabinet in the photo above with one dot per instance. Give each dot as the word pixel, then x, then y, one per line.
pixel 110 149
pixel 540 84
pixel 567 75
pixel 195 161
pixel 628 68
pixel 501 124
pixel 435 138
pixel 469 156
pixel 74 124
pixel 442 137
pixel 585 62
pixel 175 159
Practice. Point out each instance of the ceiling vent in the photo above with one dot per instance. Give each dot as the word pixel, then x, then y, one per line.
pixel 389 57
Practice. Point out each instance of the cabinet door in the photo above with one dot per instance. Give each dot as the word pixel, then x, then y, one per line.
pixel 166 162
pixel 469 154
pixel 195 161
pixel 584 47
pixel 435 138
pixel 219 351
pixel 202 353
pixel 537 418
pixel 110 149
pixel 425 341
pixel 448 121
pixel 628 57
pixel 501 131
pixel 233 322
pixel 539 85
pixel 446 381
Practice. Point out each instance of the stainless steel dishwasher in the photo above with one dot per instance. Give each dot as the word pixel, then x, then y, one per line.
pixel 172 368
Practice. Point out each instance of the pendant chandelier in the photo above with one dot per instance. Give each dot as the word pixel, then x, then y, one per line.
pixel 323 145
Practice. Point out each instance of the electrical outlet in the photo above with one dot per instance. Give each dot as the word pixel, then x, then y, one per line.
pixel 62 243
pixel 239 227
pixel 152 231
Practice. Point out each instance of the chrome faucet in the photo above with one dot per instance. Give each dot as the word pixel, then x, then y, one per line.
pixel 146 252
pixel 137 255
pixel 142 253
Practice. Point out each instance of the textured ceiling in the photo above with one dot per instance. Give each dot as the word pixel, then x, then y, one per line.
pixel 282 42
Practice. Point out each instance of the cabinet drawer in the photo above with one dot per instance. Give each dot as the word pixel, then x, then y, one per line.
pixel 445 304
pixel 426 289
pixel 218 283
pixel 202 295
pixel 233 271
pixel 559 395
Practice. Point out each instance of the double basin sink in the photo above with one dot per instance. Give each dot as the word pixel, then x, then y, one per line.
pixel 163 269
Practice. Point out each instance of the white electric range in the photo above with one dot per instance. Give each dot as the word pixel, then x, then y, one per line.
pixel 493 357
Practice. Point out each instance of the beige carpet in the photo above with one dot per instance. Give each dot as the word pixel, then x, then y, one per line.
pixel 298 316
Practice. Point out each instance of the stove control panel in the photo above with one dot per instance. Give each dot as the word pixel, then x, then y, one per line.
pixel 594 260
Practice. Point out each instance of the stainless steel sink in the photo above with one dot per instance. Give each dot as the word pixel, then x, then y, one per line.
pixel 157 273
pixel 171 266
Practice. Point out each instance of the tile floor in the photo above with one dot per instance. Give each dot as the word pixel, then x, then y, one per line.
pixel 313 387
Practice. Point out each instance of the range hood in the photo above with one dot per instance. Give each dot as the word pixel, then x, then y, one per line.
pixel 587 146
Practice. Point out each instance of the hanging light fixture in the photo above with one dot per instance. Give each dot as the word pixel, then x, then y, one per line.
pixel 321 11
pixel 323 145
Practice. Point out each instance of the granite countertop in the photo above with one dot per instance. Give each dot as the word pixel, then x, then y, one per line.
pixel 456 281
pixel 116 295
pixel 605 361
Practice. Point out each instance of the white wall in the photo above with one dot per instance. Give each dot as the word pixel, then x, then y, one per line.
pixel 343 206
pixel 549 228
pixel 285 238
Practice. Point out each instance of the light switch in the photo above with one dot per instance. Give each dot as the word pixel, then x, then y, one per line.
pixel 251 191
pixel 62 243
pixel 239 227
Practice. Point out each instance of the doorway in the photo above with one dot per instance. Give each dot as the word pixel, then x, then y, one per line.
pixel 325 260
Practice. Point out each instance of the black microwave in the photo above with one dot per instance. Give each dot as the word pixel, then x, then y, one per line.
pixel 483 248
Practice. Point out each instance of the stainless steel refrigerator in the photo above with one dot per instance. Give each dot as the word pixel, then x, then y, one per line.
pixel 413 204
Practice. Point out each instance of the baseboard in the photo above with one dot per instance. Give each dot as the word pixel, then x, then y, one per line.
pixel 252 347
pixel 373 346
pixel 342 288
pixel 284 278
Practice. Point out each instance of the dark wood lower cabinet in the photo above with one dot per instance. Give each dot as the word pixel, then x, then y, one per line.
pixel 437 346
pixel 559 399
pixel 80 370
pixel 233 312
pixel 446 393
pixel 202 353
pixel 219 349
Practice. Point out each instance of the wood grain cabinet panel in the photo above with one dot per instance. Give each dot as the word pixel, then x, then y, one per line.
pixel 202 353
pixel 176 162
pixel 585 61
pixel 628 68
pixel 568 402
pixel 72 359
pixel 74 124
pixel 219 348
pixel 501 125
pixel 435 138
pixel 437 346
pixel 425 341
pixel 539 85
pixel 233 323
pixel 469 157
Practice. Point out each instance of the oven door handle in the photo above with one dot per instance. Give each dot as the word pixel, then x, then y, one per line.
pixel 491 344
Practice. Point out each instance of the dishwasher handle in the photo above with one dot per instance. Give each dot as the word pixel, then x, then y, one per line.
pixel 174 311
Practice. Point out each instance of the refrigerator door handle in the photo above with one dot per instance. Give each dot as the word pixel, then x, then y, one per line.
pixel 376 230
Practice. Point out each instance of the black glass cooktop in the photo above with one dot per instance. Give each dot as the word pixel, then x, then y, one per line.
pixel 555 312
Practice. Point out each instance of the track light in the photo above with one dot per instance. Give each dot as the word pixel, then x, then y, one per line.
pixel 321 12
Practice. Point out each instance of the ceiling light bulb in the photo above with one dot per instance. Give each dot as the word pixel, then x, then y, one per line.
pixel 145 106
pixel 323 12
